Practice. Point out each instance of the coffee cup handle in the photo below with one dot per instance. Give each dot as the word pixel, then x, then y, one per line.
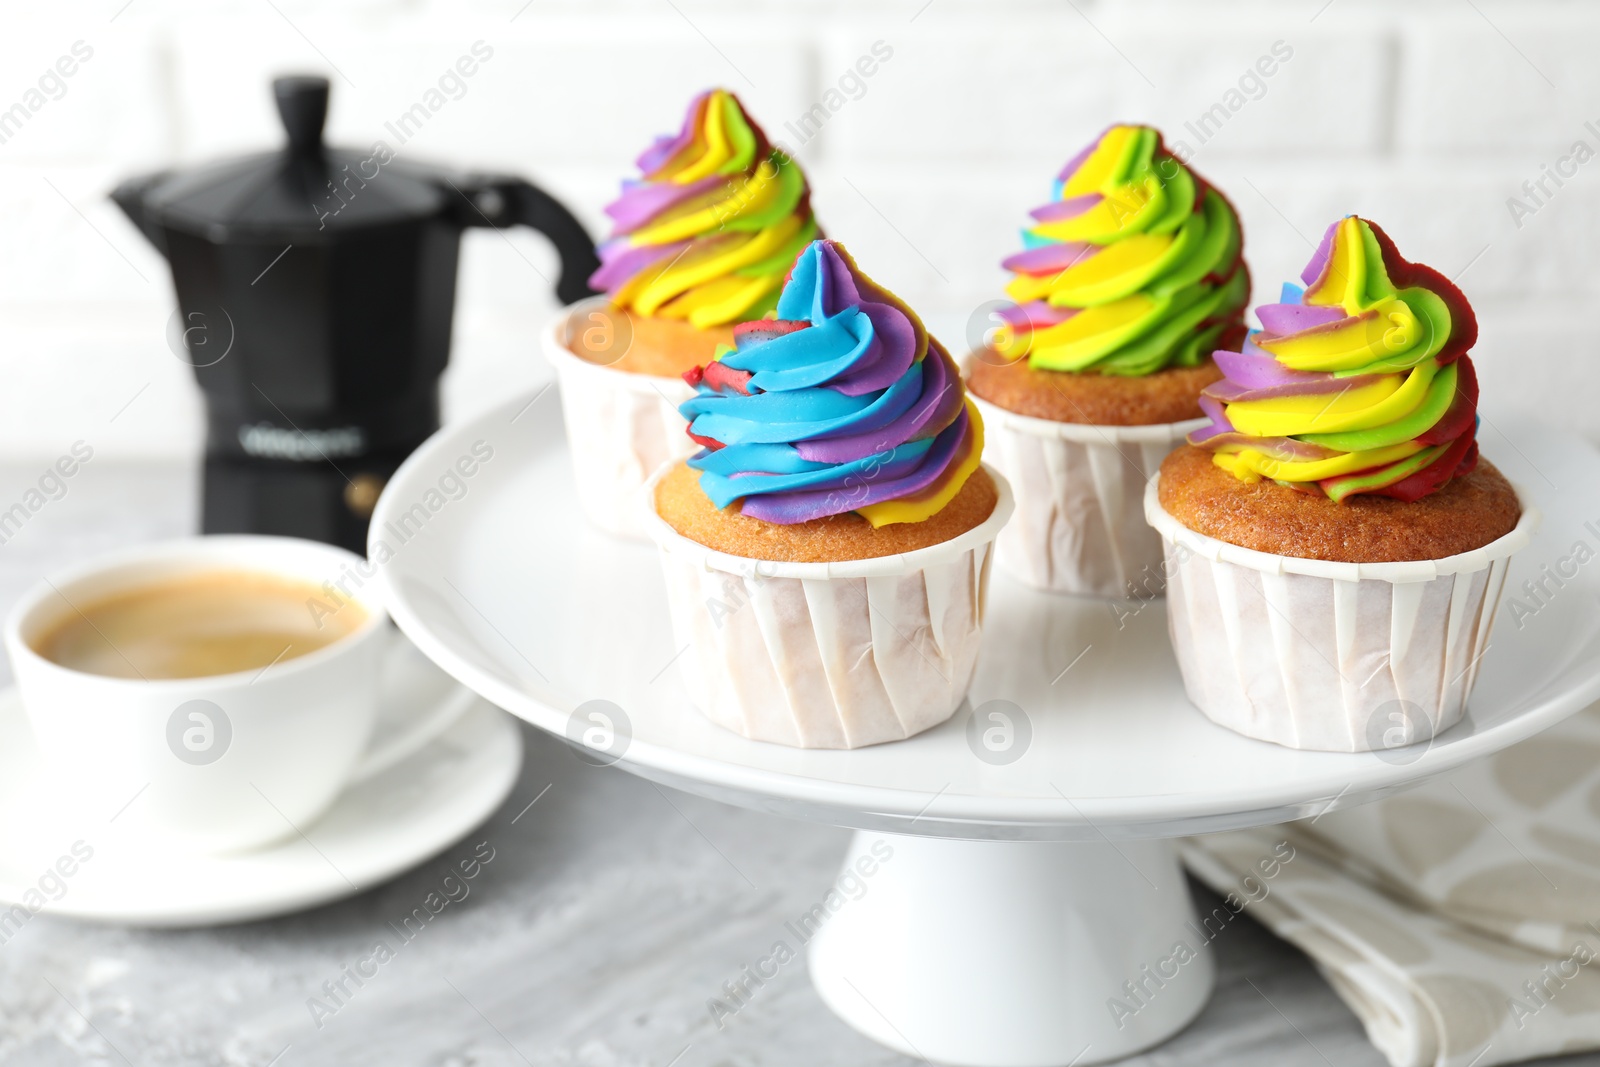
pixel 417 735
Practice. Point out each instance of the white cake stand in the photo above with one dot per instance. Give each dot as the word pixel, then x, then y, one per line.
pixel 1012 878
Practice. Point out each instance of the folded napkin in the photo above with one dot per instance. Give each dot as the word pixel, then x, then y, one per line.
pixel 1460 920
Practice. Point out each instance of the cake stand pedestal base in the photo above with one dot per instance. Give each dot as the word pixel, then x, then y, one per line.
pixel 1011 954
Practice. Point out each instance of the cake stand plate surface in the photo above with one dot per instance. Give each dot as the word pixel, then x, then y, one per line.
pixel 1028 888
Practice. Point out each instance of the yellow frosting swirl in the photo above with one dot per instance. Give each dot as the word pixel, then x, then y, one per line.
pixel 709 231
pixel 1134 266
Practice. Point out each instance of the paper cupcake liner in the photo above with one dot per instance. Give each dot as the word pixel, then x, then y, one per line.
pixel 1341 657
pixel 1080 525
pixel 621 426
pixel 828 655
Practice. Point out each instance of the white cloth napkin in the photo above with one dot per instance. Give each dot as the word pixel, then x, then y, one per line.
pixel 1460 920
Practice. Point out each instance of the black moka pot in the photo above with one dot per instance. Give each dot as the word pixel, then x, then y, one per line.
pixel 315 291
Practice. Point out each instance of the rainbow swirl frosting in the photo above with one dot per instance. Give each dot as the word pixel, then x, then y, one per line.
pixel 710 229
pixel 1358 383
pixel 840 403
pixel 1133 266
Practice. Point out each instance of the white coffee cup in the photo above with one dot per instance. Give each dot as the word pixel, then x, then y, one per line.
pixel 221 763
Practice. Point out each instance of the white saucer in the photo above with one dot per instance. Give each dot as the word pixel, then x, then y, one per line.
pixel 376 829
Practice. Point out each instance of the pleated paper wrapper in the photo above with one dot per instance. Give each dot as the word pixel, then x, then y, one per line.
pixel 1339 657
pixel 829 655
pixel 621 426
pixel 1079 525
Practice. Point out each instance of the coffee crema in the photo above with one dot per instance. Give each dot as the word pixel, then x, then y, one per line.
pixel 196 626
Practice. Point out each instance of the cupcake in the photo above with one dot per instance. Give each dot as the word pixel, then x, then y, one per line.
pixel 701 241
pixel 1127 280
pixel 827 548
pixel 1335 547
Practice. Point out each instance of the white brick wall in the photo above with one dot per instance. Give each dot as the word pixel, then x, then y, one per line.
pixel 1426 115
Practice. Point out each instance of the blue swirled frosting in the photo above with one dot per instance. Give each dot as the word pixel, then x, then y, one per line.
pixel 841 403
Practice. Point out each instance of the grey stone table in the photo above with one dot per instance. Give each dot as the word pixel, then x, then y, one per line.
pixel 611 916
